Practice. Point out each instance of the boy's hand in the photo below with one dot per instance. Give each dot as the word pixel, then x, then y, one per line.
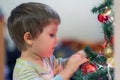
pixel 73 64
pixel 82 53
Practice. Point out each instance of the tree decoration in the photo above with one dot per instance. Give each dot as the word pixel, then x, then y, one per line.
pixel 106 8
pixel 88 68
pixel 100 66
pixel 96 69
pixel 112 40
pixel 101 8
pixel 102 18
pixel 107 11
pixel 108 51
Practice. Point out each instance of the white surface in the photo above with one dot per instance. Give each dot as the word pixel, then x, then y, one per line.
pixel 78 21
pixel 117 39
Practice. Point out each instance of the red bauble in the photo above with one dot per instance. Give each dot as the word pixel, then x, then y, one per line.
pixel 106 40
pixel 112 40
pixel 104 45
pixel 88 68
pixel 102 18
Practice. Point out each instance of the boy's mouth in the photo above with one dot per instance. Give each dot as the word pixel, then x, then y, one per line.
pixel 53 48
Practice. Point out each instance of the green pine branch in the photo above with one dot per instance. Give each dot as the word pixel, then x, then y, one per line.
pixel 103 72
pixel 108 29
pixel 95 57
pixel 102 7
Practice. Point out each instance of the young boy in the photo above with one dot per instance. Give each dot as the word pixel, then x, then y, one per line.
pixel 33 28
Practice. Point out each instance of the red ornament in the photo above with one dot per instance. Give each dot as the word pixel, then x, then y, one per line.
pixel 112 40
pixel 104 45
pixel 106 40
pixel 88 68
pixel 102 18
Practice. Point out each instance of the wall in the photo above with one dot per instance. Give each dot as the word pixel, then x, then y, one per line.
pixel 117 39
pixel 78 22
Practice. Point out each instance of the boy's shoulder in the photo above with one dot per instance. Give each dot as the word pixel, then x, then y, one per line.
pixel 23 66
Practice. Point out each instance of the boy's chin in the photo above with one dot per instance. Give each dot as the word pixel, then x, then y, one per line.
pixel 47 56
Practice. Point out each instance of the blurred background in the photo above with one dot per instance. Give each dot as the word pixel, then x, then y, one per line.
pixel 79 27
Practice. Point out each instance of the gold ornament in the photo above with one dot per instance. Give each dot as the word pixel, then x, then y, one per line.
pixel 108 51
pixel 107 11
pixel 111 61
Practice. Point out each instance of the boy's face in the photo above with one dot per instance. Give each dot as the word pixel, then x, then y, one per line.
pixel 45 43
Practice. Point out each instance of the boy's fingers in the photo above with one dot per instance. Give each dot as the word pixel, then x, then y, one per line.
pixel 83 61
pixel 82 53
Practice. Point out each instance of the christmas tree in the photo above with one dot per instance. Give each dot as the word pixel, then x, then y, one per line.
pixel 100 66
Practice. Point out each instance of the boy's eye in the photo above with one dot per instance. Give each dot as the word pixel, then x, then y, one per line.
pixel 51 35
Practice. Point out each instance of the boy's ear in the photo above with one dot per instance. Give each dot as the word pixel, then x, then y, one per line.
pixel 28 38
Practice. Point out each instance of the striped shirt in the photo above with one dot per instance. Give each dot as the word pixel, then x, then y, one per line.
pixel 25 70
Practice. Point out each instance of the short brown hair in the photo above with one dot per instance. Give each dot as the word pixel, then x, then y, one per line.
pixel 29 17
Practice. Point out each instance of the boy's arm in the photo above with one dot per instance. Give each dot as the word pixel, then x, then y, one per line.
pixel 62 61
pixel 58 64
pixel 59 61
pixel 72 64
pixel 57 77
pixel 31 74
pixel 59 71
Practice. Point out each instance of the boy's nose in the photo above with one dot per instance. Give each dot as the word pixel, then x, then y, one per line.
pixel 56 40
